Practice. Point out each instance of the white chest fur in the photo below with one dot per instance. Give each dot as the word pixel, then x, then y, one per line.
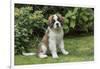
pixel 56 39
pixel 56 36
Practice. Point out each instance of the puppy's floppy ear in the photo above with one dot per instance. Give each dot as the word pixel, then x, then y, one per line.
pixel 50 20
pixel 61 18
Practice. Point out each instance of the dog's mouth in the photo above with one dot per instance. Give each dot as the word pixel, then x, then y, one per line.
pixel 57 26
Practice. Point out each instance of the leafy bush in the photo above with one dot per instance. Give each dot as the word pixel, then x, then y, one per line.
pixel 26 26
pixel 31 23
pixel 79 20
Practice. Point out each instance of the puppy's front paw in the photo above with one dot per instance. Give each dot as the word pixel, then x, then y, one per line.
pixel 65 52
pixel 55 56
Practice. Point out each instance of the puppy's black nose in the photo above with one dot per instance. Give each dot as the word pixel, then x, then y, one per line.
pixel 57 24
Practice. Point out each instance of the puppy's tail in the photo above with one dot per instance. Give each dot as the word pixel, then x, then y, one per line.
pixel 28 54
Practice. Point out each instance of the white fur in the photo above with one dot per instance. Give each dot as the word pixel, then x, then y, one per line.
pixel 56 22
pixel 56 39
pixel 61 46
pixel 28 54
pixel 43 54
pixel 55 17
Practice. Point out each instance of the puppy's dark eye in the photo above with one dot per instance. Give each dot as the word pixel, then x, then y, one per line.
pixel 59 20
pixel 53 21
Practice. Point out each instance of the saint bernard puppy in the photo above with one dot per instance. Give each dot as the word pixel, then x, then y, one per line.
pixel 53 37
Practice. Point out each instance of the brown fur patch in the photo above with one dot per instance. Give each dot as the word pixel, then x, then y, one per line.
pixel 50 20
pixel 61 18
pixel 43 41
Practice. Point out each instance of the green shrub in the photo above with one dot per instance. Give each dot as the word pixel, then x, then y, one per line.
pixel 26 25
pixel 79 20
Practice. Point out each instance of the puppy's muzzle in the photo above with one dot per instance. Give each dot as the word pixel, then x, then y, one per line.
pixel 57 24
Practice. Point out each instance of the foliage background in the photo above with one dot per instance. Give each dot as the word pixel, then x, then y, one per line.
pixel 31 22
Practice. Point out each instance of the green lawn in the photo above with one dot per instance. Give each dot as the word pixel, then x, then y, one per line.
pixel 81 48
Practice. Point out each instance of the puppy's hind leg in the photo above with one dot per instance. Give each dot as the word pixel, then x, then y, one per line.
pixel 42 51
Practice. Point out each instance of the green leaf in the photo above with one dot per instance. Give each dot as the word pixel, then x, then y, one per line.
pixel 66 21
pixel 85 18
pixel 75 10
pixel 73 17
pixel 72 24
